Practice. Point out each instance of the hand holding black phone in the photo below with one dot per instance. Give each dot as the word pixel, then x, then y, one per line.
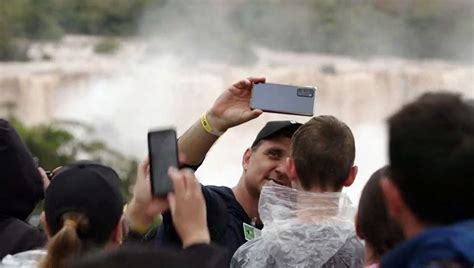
pixel 163 153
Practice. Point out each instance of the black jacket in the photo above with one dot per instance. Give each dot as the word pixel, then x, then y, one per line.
pixel 21 189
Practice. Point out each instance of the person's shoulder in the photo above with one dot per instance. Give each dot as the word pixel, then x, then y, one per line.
pixel 21 236
pixel 355 243
pixel 252 253
pixel 354 246
pixel 32 236
pixel 218 194
pixel 254 246
pixel 223 191
pixel 249 245
pixel 351 252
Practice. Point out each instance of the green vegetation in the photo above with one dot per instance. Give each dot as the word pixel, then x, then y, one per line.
pixel 210 29
pixel 22 20
pixel 56 144
pixel 107 46
pixel 49 19
pixel 12 50
pixel 410 29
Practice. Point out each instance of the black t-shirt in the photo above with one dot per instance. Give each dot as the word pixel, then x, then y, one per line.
pixel 225 218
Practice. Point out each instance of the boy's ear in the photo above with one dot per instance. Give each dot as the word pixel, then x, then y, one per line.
pixel 292 174
pixel 351 177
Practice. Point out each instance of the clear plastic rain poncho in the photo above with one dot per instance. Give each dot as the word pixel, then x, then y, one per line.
pixel 302 229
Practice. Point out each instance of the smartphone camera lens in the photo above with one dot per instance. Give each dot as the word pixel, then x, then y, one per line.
pixel 305 92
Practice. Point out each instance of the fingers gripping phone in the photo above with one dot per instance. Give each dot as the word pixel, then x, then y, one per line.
pixel 163 153
pixel 49 173
pixel 284 99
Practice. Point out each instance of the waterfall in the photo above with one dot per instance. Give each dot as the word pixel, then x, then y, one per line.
pixel 124 95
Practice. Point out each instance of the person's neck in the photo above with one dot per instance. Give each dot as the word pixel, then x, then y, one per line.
pixel 331 207
pixel 370 257
pixel 314 189
pixel 412 226
pixel 248 202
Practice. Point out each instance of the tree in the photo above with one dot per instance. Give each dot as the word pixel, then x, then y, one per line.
pixel 56 144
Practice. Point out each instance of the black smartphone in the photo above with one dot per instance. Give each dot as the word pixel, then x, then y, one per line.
pixel 284 99
pixel 163 153
pixel 49 174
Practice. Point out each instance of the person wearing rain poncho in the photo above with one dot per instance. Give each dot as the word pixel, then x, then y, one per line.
pixel 312 224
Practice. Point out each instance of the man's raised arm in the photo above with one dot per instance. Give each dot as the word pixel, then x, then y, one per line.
pixel 231 108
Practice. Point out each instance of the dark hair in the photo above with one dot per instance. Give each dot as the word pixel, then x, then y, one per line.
pixel 374 224
pixel 431 149
pixel 323 150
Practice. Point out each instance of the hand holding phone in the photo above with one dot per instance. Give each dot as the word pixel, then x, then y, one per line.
pixel 163 153
pixel 232 108
pixel 48 173
pixel 188 208
pixel 285 99
pixel 143 207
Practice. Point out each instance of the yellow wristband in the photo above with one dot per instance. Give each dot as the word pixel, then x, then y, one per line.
pixel 134 226
pixel 208 128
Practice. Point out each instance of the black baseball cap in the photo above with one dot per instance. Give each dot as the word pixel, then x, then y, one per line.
pixel 273 128
pixel 89 188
